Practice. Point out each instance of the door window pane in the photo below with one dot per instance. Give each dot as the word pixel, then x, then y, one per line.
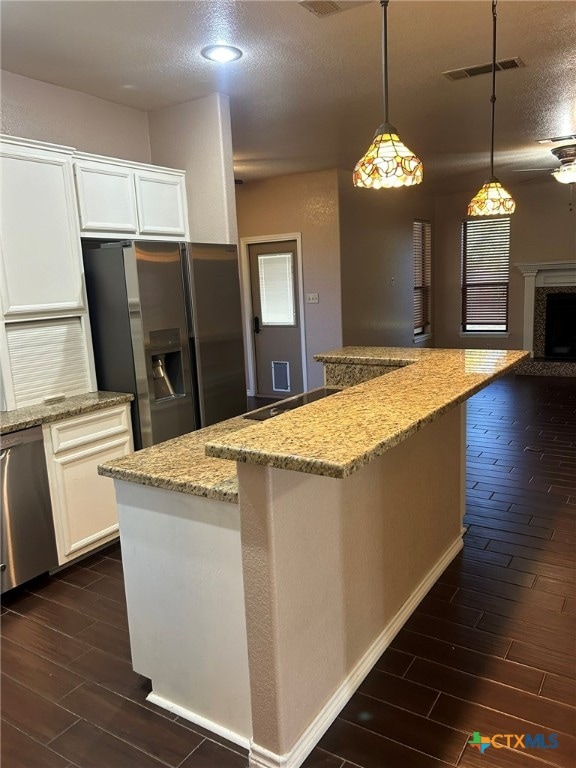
pixel 276 278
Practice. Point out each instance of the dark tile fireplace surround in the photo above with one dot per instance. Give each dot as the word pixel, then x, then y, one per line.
pixel 554 332
pixel 559 324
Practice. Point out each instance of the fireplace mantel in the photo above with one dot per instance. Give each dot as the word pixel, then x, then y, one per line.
pixel 542 274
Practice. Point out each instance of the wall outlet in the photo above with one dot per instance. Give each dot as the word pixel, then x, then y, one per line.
pixel 312 298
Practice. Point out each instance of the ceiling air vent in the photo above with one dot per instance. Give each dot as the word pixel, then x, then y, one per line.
pixel 483 69
pixel 321 8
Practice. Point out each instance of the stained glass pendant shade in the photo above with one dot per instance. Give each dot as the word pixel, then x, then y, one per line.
pixel 388 162
pixel 492 199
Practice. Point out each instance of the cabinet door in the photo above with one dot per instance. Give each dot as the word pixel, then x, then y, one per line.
pixel 161 200
pixel 41 261
pixel 83 502
pixel 106 197
pixel 87 514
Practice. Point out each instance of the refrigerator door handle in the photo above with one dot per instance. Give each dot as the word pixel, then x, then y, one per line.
pixel 256 324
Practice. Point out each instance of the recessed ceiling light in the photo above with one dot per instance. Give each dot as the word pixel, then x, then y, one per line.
pixel 221 53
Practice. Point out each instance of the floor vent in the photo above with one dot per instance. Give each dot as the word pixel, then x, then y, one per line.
pixel 321 8
pixel 483 69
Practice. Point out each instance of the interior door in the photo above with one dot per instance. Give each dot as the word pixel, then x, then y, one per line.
pixel 276 312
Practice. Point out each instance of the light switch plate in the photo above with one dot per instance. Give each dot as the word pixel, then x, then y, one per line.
pixel 312 298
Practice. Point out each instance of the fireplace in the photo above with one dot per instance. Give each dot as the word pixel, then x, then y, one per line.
pixel 560 326
pixel 555 323
pixel 549 317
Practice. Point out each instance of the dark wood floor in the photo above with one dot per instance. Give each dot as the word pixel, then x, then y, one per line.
pixel 490 648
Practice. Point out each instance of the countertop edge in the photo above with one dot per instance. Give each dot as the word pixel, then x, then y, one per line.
pixel 13 421
pixel 319 466
pixel 180 465
pixel 165 484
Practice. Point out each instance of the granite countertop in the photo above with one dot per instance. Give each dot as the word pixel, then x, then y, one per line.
pixel 336 436
pixel 181 465
pixel 32 415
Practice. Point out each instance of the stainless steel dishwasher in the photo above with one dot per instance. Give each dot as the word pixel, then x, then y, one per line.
pixel 28 546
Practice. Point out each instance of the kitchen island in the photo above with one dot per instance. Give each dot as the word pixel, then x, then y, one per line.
pixel 349 509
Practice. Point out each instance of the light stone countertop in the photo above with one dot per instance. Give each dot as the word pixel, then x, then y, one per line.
pixel 336 436
pixel 181 465
pixel 32 415
pixel 333 436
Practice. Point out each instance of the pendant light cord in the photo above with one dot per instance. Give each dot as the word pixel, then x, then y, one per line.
pixel 493 97
pixel 384 4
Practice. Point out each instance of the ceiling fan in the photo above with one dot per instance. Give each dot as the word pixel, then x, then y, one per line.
pixel 566 174
pixel 566 154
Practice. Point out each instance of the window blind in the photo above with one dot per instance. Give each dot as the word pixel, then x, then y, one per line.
pixel 485 274
pixel 422 246
pixel 276 279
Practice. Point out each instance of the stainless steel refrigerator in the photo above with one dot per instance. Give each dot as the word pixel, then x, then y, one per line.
pixel 167 326
pixel 139 333
pixel 212 288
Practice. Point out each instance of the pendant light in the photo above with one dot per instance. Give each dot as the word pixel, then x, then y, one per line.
pixel 492 199
pixel 388 162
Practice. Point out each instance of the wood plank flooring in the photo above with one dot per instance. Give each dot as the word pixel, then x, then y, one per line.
pixel 491 648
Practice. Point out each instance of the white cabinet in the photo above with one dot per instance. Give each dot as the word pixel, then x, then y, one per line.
pixel 106 200
pixel 83 502
pixel 117 197
pixel 45 340
pixel 40 240
pixel 160 197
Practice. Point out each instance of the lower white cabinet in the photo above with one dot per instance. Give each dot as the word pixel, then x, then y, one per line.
pixel 83 502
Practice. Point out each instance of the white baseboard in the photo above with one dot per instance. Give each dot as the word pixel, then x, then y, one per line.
pixel 193 717
pixel 263 758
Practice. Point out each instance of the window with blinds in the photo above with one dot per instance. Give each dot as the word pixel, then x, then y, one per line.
pixel 422 246
pixel 485 271
pixel 276 280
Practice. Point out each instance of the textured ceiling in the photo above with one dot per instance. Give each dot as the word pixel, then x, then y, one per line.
pixel 307 93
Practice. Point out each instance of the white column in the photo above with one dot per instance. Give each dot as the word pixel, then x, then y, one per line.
pixel 529 295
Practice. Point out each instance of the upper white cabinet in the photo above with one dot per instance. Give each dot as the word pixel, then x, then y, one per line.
pixel 41 260
pixel 51 196
pixel 161 203
pixel 117 197
pixel 106 200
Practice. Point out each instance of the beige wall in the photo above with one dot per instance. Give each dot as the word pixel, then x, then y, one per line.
pixel 328 565
pixel 305 203
pixel 542 229
pixel 196 136
pixel 44 112
pixel 377 261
